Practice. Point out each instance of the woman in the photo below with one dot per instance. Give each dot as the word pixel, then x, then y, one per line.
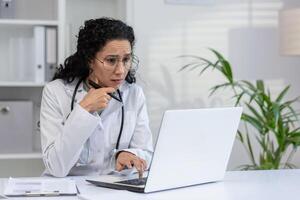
pixel 93 116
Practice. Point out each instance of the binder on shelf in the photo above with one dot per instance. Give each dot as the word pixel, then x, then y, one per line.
pixel 51 53
pixel 22 68
pixel 40 54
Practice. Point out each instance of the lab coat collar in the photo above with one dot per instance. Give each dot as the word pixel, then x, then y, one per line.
pixel 71 86
pixel 113 105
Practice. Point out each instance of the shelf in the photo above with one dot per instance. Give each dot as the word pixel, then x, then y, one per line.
pixel 28 22
pixel 20 84
pixel 11 156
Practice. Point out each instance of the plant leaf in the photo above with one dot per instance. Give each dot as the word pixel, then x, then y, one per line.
pixel 282 93
pixel 250 149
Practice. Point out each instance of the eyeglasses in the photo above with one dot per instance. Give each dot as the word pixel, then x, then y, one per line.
pixel 110 63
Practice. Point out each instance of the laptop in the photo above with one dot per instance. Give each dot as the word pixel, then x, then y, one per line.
pixel 193 147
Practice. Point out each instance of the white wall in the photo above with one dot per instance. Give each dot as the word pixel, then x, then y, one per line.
pixel 245 31
pixel 92 9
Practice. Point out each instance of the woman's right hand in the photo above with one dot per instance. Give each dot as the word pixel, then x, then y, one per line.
pixel 96 99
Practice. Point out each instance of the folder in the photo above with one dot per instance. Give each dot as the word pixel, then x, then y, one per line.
pixel 51 53
pixel 40 187
pixel 40 61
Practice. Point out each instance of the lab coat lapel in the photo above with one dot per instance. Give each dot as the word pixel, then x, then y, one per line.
pixel 70 88
pixel 113 106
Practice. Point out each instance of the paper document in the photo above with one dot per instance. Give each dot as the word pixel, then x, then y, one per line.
pixel 40 187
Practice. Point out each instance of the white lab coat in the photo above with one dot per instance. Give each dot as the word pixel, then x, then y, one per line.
pixel 81 143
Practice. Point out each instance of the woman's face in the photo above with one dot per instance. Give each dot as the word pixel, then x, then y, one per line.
pixel 111 64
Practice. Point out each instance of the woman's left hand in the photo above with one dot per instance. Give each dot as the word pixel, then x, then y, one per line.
pixel 129 160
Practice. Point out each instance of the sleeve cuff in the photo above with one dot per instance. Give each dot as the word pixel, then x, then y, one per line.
pixel 115 152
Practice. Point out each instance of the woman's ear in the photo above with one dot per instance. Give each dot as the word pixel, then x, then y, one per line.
pixel 91 63
pixel 91 66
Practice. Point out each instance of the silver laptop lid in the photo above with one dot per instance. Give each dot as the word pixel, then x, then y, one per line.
pixel 193 147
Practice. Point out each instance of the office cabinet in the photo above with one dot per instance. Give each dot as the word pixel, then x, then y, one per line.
pixel 16 126
pixel 23 55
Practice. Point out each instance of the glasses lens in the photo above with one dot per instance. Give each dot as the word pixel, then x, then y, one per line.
pixel 109 63
pixel 129 62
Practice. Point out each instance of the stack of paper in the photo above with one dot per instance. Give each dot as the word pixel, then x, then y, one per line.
pixel 40 187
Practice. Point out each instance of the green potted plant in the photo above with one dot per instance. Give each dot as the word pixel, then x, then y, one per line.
pixel 272 122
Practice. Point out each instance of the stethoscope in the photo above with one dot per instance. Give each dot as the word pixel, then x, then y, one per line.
pixel 96 86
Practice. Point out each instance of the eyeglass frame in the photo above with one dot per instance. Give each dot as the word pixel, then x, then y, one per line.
pixel 134 59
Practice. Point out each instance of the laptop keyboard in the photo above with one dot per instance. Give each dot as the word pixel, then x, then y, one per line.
pixel 137 181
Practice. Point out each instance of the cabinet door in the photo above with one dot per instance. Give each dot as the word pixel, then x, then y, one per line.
pixel 16 126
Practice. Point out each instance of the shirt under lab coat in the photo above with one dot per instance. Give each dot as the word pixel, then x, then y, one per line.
pixel 83 143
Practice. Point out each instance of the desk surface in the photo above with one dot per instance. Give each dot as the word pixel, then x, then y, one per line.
pixel 237 185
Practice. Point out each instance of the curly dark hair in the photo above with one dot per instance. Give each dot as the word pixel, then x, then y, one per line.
pixel 92 38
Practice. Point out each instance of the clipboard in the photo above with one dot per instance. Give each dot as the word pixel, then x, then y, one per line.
pixel 40 187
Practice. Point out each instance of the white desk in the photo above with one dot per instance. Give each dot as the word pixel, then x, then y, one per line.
pixel 238 185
